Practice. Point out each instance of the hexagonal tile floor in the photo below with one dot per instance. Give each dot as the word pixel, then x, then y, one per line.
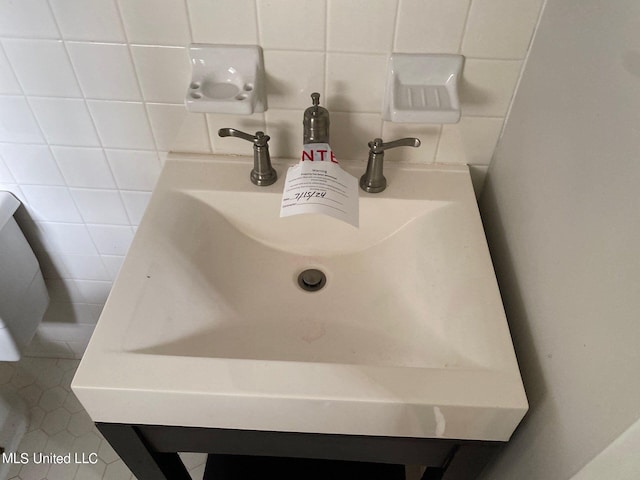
pixel 58 424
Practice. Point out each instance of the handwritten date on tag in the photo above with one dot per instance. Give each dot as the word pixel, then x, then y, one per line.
pixel 317 184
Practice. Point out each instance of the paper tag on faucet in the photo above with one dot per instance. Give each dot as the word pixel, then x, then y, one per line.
pixel 317 184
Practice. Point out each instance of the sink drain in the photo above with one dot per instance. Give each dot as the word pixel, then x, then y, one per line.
pixel 312 280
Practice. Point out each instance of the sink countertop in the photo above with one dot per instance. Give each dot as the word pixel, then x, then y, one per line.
pixel 178 344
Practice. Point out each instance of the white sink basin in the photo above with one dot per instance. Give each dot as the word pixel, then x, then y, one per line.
pixel 207 320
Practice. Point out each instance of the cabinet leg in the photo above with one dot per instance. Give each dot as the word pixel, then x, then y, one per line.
pixel 143 462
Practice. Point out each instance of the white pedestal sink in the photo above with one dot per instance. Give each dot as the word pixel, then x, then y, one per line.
pixel 207 324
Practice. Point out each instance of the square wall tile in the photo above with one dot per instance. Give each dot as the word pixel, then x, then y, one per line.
pixel 97 20
pixel 292 77
pixel 111 239
pixel 164 72
pixel 292 24
pixel 84 167
pixel 430 26
pixel 67 238
pixel 85 267
pixel 93 291
pixel 349 88
pixel 361 25
pixel 17 123
pixel 51 204
pixel 31 164
pixel 429 135
pixel 100 206
pixel 42 67
pixel 27 18
pixel 175 129
pixel 5 173
pixel 105 71
pixel 487 86
pixel 113 263
pixel 77 127
pixel 8 82
pixel 72 313
pixel 134 169
pixel 52 265
pixel 351 133
pixel 122 124
pixel 285 129
pixel 471 141
pixel 500 28
pixel 158 22
pixel 135 204
pixel 224 21
pixel 63 291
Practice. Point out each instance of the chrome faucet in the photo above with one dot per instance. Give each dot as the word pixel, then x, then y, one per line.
pixel 263 174
pixel 373 180
pixel 315 122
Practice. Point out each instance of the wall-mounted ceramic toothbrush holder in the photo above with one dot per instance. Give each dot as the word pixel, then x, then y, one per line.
pixel 226 79
pixel 422 88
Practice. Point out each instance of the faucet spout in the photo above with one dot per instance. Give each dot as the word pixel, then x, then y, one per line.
pixel 315 123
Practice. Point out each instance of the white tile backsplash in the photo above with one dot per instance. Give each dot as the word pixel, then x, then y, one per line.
pixel 91 99
pixel 93 291
pixel 111 239
pixel 175 128
pixel 100 206
pixel 113 263
pixel 17 123
pixel 233 22
pixel 355 131
pixel 135 203
pixel 293 77
pixel 304 22
pixel 164 72
pixel 122 124
pixel 472 141
pixel 27 19
pixel 51 203
pixel 500 28
pixel 355 83
pixel 85 267
pixel 134 169
pixel 5 173
pixel 31 164
pixel 487 86
pixel 8 82
pixel 42 67
pixel 433 26
pixel 65 121
pixel 361 25
pixel 162 22
pixel 84 167
pixel 67 238
pixel 104 70
pixel 96 21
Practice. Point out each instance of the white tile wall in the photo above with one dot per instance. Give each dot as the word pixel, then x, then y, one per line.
pixel 91 100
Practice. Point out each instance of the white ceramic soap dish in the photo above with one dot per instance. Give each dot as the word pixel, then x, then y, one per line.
pixel 423 88
pixel 226 79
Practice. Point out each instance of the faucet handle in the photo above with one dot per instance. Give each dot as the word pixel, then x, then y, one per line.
pixel 373 180
pixel 263 173
pixel 259 139
pixel 377 146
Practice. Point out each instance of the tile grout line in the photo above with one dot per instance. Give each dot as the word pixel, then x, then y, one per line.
pixel 95 129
